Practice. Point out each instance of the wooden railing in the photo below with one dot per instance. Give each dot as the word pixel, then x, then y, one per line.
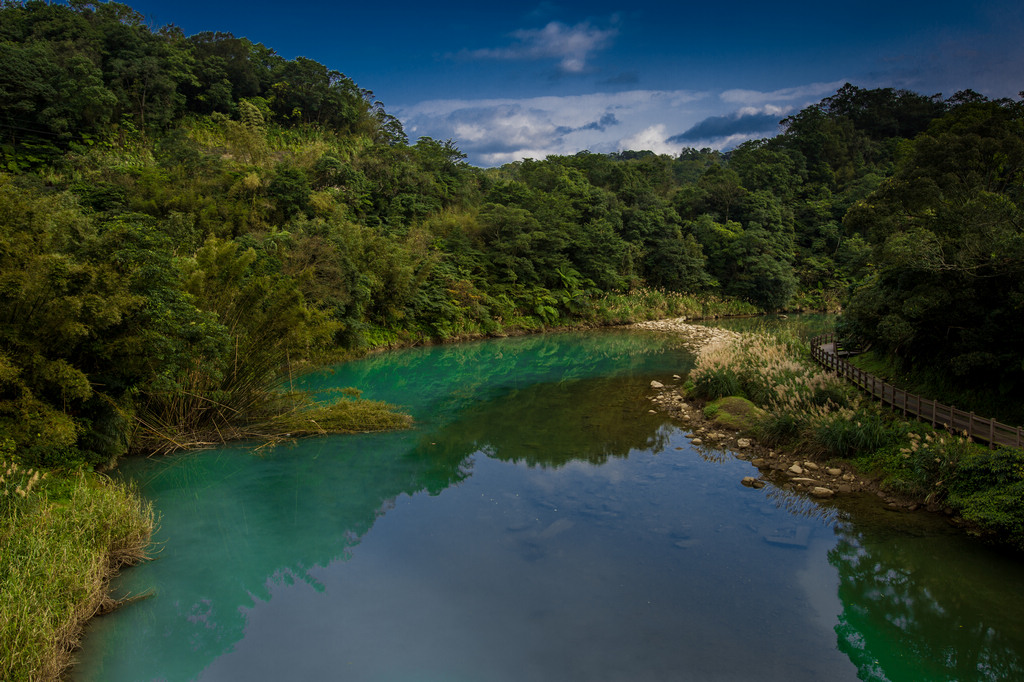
pixel 826 350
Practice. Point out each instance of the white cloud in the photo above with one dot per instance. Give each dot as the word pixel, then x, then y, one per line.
pixel 496 131
pixel 653 138
pixel 772 109
pixel 571 45
pixel 574 107
pixel 812 92
pixel 501 158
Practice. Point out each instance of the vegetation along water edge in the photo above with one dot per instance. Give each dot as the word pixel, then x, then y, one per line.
pixel 62 537
pixel 806 429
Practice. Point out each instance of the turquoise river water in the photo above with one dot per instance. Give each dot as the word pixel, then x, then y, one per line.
pixel 539 523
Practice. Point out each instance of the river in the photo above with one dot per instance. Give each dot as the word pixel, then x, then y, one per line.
pixel 539 523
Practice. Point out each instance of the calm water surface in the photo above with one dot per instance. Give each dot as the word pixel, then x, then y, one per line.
pixel 538 524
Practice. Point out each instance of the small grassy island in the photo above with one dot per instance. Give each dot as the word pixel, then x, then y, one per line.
pixel 188 223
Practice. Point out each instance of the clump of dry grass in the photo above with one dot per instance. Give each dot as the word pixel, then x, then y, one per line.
pixel 291 415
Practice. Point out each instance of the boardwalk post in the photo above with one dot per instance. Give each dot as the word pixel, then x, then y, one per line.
pixel 992 434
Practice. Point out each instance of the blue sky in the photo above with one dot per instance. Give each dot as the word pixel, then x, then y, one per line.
pixel 507 81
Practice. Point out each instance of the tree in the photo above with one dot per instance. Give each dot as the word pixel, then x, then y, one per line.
pixel 947 288
pixel 92 317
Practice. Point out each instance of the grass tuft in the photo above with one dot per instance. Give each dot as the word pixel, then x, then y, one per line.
pixel 61 539
pixel 342 416
pixel 290 415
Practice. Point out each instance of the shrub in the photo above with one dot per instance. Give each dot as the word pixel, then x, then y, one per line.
pixel 846 433
pixel 987 488
pixel 778 426
pixel 716 382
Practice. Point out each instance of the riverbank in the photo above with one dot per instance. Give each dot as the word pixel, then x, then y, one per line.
pixel 785 469
pixel 612 309
pixel 806 431
pixel 727 426
pixel 62 538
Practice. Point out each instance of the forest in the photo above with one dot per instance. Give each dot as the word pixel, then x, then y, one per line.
pixel 187 221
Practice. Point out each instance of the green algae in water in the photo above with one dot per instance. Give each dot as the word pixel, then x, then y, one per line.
pixel 538 524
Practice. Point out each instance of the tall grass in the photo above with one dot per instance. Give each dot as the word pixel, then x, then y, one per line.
pixel 766 370
pixel 61 538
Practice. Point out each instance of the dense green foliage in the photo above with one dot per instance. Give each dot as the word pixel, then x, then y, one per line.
pixel 187 220
pixel 947 288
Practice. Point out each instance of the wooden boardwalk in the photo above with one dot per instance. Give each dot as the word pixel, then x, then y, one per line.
pixel 828 351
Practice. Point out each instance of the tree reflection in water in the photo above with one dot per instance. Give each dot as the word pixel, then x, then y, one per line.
pixel 550 425
pixel 922 606
pixel 256 522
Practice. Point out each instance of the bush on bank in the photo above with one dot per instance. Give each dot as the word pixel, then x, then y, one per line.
pixel 815 412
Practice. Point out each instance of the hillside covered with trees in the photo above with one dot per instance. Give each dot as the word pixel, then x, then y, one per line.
pixel 186 220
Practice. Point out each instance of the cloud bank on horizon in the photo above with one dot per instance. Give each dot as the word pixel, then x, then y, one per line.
pixel 496 131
